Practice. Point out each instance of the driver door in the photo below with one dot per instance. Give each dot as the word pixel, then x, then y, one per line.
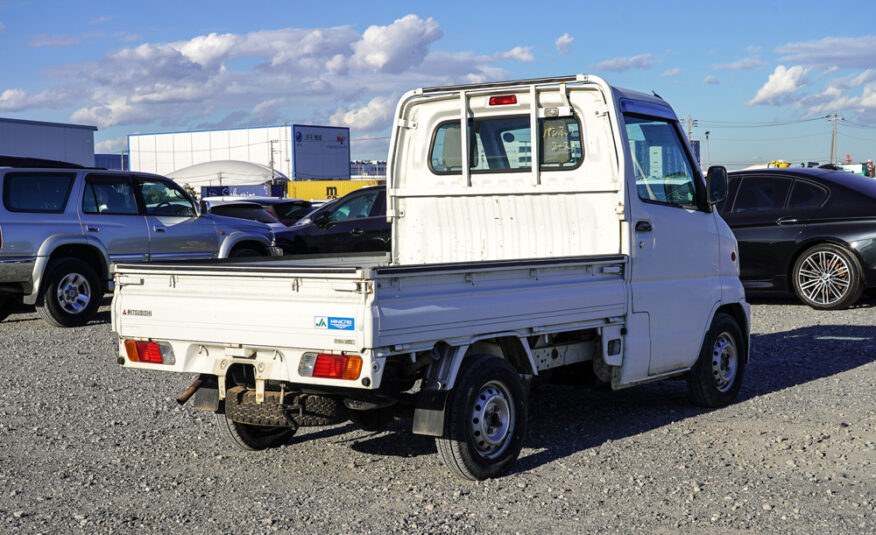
pixel 175 230
pixel 675 243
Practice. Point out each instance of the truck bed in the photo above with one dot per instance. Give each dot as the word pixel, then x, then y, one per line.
pixel 277 305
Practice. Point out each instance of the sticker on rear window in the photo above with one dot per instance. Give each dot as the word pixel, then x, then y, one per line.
pixel 337 324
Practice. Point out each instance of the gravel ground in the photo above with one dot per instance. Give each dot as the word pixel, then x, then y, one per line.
pixel 87 447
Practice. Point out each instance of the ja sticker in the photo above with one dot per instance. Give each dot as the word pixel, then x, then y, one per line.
pixel 337 324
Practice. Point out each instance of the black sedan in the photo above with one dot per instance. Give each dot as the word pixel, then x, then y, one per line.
pixel 807 231
pixel 354 223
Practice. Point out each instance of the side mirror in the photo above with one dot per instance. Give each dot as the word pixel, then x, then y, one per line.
pixel 321 219
pixel 716 184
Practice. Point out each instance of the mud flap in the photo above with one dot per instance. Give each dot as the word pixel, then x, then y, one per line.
pixel 429 413
pixel 207 396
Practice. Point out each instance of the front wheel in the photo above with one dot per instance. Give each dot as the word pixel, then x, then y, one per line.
pixel 716 378
pixel 826 277
pixel 70 293
pixel 486 421
pixel 252 437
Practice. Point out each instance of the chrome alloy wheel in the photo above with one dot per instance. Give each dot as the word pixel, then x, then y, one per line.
pixel 824 277
pixel 492 419
pixel 725 362
pixel 74 293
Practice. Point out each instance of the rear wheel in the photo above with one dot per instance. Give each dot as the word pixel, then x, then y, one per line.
pixel 827 277
pixel 70 295
pixel 252 437
pixel 716 378
pixel 486 421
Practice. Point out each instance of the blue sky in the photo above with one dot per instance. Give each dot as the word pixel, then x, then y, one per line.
pixel 759 76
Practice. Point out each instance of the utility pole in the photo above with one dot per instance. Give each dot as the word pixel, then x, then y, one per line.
pixel 272 159
pixel 690 123
pixel 707 149
pixel 833 141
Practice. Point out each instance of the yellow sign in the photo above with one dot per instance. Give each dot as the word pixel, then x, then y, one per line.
pixel 326 189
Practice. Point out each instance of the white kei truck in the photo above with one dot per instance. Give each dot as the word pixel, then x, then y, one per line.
pixel 546 226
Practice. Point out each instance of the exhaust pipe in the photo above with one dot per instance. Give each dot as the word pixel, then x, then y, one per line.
pixel 190 391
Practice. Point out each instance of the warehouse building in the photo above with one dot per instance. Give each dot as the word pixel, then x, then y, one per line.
pixel 299 152
pixel 73 143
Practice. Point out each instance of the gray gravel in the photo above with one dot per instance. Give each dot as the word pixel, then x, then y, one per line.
pixel 87 447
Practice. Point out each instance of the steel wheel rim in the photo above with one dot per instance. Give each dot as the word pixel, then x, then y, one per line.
pixel 74 293
pixel 725 362
pixel 492 420
pixel 824 277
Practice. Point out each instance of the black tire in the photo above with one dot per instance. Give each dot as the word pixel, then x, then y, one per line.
pixel 374 419
pixel 70 293
pixel 716 378
pixel 485 421
pixel 252 437
pixel 244 251
pixel 7 305
pixel 827 277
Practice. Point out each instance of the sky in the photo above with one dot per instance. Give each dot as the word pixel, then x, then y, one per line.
pixel 761 77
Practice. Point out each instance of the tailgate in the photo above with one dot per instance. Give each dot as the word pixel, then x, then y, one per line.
pixel 319 308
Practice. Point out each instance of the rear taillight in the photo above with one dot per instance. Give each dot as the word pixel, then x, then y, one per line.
pixel 327 366
pixel 153 352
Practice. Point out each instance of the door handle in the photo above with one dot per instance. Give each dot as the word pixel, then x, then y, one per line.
pixel 92 228
pixel 357 232
pixel 786 220
pixel 156 228
pixel 644 226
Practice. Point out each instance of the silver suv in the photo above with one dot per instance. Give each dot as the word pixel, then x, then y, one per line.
pixel 62 229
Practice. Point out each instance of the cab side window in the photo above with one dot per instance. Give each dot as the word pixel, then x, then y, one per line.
pixel 109 195
pixel 661 166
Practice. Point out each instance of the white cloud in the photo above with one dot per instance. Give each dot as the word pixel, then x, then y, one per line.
pixel 743 64
pixel 848 52
pixel 397 47
pixel 780 87
pixel 518 53
pixel 377 112
pixel 260 76
pixel 672 72
pixel 19 100
pixel 2 26
pixel 642 61
pixel 110 146
pixel 711 80
pixel 564 43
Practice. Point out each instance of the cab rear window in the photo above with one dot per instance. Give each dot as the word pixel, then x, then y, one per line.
pixel 37 192
pixel 504 145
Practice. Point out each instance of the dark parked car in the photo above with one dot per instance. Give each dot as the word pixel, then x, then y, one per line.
pixel 354 223
pixel 286 211
pixel 807 231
